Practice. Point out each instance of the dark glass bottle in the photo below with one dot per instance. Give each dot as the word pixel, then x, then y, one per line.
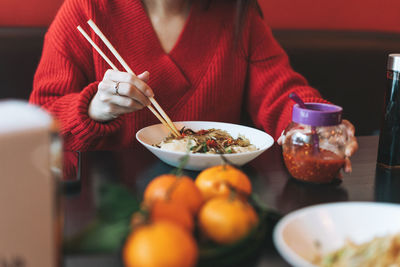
pixel 389 139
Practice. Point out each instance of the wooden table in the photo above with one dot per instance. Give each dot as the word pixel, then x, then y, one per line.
pixel 270 179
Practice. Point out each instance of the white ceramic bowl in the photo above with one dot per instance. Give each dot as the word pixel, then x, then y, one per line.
pixel 156 133
pixel 330 225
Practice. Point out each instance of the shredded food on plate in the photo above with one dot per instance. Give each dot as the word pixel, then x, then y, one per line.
pixel 211 141
pixel 379 252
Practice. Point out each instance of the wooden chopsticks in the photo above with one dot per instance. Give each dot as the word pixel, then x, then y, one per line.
pixel 165 120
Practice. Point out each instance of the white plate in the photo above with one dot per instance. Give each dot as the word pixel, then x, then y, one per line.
pixel 296 234
pixel 156 133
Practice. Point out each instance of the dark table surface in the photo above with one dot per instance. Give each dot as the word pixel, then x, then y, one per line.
pixel 270 180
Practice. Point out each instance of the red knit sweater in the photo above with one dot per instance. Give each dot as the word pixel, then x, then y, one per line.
pixel 204 77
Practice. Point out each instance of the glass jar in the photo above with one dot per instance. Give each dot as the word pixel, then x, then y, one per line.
pixel 314 143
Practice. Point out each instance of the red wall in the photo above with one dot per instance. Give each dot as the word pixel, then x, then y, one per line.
pixel 369 15
pixel 28 12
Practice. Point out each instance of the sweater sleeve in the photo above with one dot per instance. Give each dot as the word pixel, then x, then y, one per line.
pixel 270 81
pixel 64 83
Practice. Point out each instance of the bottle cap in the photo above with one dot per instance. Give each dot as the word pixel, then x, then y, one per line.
pixel 317 114
pixel 394 62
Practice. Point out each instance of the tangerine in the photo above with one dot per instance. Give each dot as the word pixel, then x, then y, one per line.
pixel 219 181
pixel 179 189
pixel 173 212
pixel 160 244
pixel 226 220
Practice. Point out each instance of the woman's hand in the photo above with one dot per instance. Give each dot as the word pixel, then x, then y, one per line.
pixel 119 93
pixel 351 146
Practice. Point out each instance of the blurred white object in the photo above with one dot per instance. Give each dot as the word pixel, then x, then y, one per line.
pixel 29 219
pixel 156 133
pixel 304 234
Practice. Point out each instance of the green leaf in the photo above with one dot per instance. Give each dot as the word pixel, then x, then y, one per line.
pixel 99 237
pixel 108 231
pixel 205 148
pixel 116 202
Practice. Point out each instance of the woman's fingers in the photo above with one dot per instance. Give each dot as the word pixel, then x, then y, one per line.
pixel 130 91
pixel 115 75
pixel 142 86
pixel 351 147
pixel 347 165
pixel 281 138
pixel 128 104
pixel 352 144
pixel 109 88
pixel 139 82
pixel 119 93
pixel 145 76
pixel 349 128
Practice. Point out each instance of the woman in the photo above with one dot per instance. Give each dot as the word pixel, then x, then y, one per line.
pixel 201 60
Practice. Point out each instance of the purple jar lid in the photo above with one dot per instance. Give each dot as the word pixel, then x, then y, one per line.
pixel 317 114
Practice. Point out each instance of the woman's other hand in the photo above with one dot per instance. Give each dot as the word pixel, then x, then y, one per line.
pixel 119 93
pixel 352 144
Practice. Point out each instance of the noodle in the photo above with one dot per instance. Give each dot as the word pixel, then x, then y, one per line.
pixel 379 252
pixel 212 141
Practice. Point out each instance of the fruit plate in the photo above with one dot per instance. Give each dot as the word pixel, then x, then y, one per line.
pixel 156 133
pixel 308 233
pixel 106 234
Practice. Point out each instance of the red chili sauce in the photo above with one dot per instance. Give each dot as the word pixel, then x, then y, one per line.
pixel 312 166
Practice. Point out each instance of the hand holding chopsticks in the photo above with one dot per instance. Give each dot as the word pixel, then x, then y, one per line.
pixel 162 116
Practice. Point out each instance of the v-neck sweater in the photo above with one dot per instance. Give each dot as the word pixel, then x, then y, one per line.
pixel 207 76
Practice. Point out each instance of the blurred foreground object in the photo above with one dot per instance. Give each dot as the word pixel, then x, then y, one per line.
pixel 30 222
